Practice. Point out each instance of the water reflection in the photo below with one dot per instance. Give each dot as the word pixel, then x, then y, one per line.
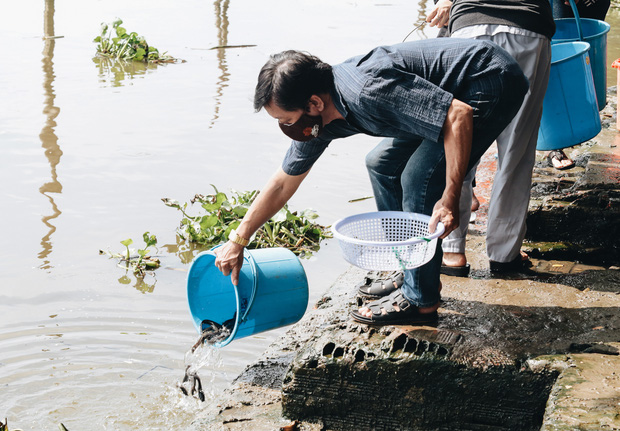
pixel 221 22
pixel 140 284
pixel 114 72
pixel 185 250
pixel 48 137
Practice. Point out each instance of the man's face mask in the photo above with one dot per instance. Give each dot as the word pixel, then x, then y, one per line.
pixel 306 128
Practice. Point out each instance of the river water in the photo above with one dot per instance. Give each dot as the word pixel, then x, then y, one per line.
pixel 89 150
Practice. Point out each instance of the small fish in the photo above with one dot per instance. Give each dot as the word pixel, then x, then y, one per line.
pixel 213 332
pixel 192 385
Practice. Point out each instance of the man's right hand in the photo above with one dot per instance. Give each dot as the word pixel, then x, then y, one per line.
pixel 229 260
pixel 440 15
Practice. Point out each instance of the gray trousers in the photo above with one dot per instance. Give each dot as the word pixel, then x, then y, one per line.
pixel 516 147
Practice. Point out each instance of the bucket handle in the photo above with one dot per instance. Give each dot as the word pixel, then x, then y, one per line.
pixel 239 318
pixel 248 257
pixel 252 262
pixel 573 6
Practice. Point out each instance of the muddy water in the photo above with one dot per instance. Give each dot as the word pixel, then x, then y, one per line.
pixel 89 149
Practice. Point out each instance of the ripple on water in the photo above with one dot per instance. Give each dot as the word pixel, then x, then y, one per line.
pixel 77 362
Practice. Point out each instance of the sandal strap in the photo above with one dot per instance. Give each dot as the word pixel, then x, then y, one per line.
pixel 383 286
pixel 387 303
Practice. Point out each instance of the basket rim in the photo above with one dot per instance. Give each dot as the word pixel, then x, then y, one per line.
pixel 386 214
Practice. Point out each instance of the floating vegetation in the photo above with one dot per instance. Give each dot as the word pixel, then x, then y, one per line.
pixel 128 46
pixel 288 229
pixel 140 261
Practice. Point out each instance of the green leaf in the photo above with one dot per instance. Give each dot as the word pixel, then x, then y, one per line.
pixel 213 206
pixel 280 216
pixel 120 31
pixel 208 221
pixel 149 240
pixel 127 242
pixel 309 214
pixel 240 210
pixel 291 216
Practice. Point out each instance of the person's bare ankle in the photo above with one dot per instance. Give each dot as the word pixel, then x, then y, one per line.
pixel 426 310
pixel 454 259
pixel 475 203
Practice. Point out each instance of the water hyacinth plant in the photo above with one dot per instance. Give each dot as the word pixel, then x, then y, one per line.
pixel 140 262
pixel 289 229
pixel 127 46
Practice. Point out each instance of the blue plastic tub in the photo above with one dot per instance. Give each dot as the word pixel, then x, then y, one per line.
pixel 570 111
pixel 594 32
pixel 272 292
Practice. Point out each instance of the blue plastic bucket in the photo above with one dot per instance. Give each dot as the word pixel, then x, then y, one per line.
pixel 272 292
pixel 570 111
pixel 594 32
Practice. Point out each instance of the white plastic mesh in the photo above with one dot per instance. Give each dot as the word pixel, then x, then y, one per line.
pixel 381 230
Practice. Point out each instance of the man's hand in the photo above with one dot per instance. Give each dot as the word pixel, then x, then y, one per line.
pixel 229 260
pixel 446 211
pixel 274 195
pixel 440 15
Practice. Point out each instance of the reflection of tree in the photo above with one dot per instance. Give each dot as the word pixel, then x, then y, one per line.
pixel 120 69
pixel 48 137
pixel 221 22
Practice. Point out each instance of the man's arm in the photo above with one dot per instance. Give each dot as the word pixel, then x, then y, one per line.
pixel 457 131
pixel 269 201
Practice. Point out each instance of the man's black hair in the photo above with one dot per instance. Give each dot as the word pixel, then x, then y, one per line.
pixel 290 78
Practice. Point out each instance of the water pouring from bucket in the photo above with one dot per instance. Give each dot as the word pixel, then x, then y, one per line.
pixel 272 292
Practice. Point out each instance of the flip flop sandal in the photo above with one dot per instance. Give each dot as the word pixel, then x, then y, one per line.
pixel 381 287
pixel 558 156
pixel 516 265
pixel 455 271
pixel 406 314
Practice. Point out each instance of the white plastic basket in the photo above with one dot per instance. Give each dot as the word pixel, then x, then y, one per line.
pixel 387 240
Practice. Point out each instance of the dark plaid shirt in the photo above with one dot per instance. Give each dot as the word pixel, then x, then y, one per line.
pixel 405 91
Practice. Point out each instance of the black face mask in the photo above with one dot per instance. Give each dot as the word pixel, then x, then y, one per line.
pixel 306 128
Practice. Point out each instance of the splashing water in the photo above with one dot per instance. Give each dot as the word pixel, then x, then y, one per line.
pixel 201 354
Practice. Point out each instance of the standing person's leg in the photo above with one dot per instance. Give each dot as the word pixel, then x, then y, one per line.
pixel 517 151
pixel 516 157
pixel 454 259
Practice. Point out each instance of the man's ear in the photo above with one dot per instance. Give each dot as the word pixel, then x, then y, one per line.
pixel 315 105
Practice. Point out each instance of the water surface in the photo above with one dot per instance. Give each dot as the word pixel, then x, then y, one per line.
pixel 90 148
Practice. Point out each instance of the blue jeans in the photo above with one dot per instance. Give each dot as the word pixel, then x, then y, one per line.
pixel 410 175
